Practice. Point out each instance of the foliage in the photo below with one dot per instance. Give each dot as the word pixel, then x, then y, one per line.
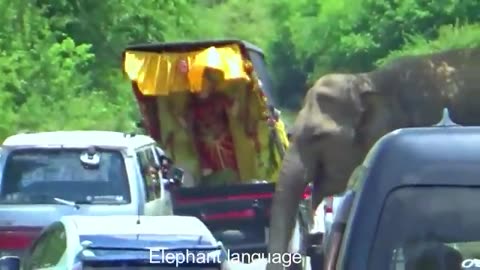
pixel 60 60
pixel 350 36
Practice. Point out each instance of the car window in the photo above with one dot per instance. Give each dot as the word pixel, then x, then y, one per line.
pixel 37 176
pixel 159 152
pixel 48 250
pixel 147 164
pixel 435 225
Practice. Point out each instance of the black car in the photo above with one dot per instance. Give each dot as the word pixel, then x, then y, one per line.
pixel 412 204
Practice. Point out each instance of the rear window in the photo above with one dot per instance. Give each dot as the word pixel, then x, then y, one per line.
pixel 43 176
pixel 434 227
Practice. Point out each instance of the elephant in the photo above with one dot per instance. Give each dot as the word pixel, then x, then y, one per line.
pixel 343 115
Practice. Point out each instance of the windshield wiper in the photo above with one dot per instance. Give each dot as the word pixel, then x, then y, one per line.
pixel 75 204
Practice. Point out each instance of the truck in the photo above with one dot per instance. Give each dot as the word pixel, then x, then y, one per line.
pixel 210 105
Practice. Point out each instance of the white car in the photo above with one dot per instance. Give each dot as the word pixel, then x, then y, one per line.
pixel 47 175
pixel 325 213
pixel 122 242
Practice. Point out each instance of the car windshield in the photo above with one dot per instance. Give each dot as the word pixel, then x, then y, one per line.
pixel 433 227
pixel 43 176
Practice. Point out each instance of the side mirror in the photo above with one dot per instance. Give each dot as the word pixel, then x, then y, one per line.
pixel 177 176
pixel 10 263
pixel 176 180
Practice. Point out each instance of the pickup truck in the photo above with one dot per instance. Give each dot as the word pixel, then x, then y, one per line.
pixel 412 204
pixel 229 141
pixel 47 175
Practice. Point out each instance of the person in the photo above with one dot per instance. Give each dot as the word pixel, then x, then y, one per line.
pixel 207 118
pixel 436 256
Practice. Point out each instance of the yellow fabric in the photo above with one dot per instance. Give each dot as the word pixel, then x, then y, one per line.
pixel 176 141
pixel 283 140
pixel 158 74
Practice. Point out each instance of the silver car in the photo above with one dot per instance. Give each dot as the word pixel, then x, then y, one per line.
pixel 123 242
pixel 44 176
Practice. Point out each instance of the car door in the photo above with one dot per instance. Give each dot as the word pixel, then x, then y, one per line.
pixel 156 203
pixel 48 251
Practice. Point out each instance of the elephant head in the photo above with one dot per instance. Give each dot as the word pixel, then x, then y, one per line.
pixel 342 115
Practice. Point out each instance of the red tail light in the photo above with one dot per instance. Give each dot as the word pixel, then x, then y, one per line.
pixel 307 193
pixel 249 213
pixel 328 208
pixel 17 238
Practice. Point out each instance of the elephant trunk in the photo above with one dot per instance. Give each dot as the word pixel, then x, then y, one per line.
pixel 288 193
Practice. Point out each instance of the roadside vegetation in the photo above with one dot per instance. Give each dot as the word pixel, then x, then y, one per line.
pixel 61 65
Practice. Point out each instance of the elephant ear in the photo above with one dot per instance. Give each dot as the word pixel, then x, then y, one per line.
pixel 373 115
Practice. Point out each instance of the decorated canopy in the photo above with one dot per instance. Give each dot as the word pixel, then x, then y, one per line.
pixel 158 74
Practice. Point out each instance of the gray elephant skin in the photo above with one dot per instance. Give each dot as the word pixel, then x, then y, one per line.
pixel 344 114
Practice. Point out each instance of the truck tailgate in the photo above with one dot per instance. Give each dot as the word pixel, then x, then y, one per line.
pixel 238 215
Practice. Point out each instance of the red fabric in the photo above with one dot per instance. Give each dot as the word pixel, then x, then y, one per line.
pixel 149 110
pixel 213 139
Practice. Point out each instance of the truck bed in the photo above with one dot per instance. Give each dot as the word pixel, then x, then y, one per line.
pixel 238 215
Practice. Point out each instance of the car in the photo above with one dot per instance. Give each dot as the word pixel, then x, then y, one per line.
pixel 119 242
pixel 325 213
pixel 412 202
pixel 329 243
pixel 47 175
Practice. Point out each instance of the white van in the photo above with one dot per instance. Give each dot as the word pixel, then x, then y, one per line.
pixel 47 175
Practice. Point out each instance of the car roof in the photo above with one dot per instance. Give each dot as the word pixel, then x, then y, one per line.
pixel 185 46
pixel 401 153
pixel 80 138
pixel 445 154
pixel 152 225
